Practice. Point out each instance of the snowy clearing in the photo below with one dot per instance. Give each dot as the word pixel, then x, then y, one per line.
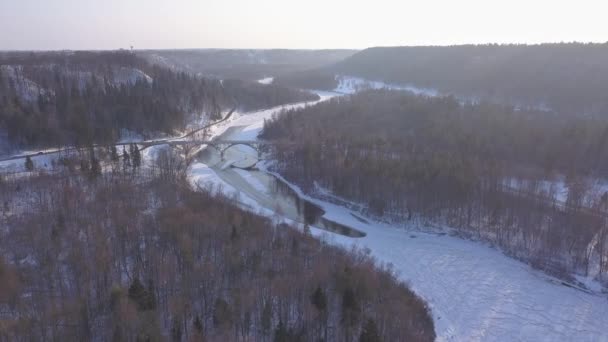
pixel 267 80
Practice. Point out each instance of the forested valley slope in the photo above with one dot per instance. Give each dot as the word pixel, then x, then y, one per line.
pixel 568 78
pixel 51 99
pixel 405 158
pixel 137 254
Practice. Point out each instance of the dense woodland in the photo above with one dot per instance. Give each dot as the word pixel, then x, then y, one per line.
pixel 569 78
pixel 85 97
pixel 407 157
pixel 135 254
pixel 244 64
pixel 311 79
pixel 254 96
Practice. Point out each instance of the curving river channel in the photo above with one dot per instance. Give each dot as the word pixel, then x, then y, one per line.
pixel 267 190
pixel 475 292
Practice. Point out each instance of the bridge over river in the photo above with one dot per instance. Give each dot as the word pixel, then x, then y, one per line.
pixel 219 144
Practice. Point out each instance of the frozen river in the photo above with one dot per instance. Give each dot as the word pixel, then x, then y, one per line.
pixel 475 292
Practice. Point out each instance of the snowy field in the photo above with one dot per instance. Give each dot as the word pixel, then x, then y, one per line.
pixel 475 292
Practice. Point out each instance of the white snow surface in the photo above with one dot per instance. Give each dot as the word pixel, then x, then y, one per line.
pixel 150 153
pixel 41 162
pixel 475 292
pixel 27 89
pixel 254 121
pixel 202 175
pixel 267 80
pixel 125 75
pixel 558 188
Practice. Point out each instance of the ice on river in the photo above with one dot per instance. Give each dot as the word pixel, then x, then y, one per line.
pixel 475 292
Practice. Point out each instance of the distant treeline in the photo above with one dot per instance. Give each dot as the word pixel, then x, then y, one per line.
pixel 405 157
pixel 84 97
pixel 254 96
pixel 244 64
pixel 312 79
pixel 569 78
pixel 138 257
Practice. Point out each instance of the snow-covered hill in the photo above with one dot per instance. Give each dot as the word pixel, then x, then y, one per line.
pixel 27 89
pixel 130 76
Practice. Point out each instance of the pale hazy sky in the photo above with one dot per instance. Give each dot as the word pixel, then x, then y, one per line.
pixel 111 24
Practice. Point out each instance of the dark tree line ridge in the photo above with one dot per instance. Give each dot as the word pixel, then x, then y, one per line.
pixel 569 78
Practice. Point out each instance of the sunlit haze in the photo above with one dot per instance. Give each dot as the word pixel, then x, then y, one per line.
pixel 110 24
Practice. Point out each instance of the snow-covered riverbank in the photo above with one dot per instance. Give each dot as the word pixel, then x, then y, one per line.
pixel 475 292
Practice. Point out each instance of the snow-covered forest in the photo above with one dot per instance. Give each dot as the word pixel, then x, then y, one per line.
pixel 81 98
pixel 403 157
pixel 393 194
pixel 136 254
